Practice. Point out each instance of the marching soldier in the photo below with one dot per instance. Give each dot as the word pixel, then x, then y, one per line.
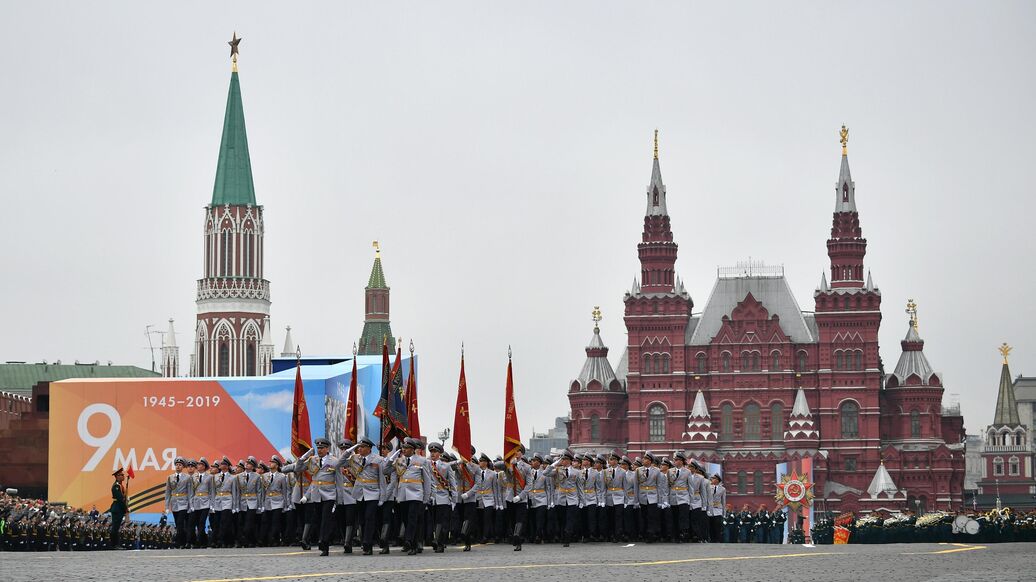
pixel 777 519
pixel 322 492
pixel 566 485
pixel 521 484
pixel 248 503
pixel 443 496
pixel 699 501
pixel 665 507
pixel 680 496
pixel 388 514
pixel 745 524
pixel 177 500
pixel 535 495
pixel 631 501
pixel 762 525
pixel 614 493
pixel 345 507
pixel 203 490
pixel 589 480
pixel 468 506
pixel 276 495
pixel 414 489
pixel 654 491
pixel 484 495
pixel 367 468
pixel 226 504
pixel 717 500
pixel 502 516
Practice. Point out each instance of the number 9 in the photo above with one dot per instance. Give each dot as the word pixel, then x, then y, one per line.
pixel 103 443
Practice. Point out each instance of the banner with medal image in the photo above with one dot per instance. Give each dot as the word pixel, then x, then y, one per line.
pixel 795 494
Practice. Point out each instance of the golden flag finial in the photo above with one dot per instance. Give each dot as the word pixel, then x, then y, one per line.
pixel 911 310
pixel 656 144
pixel 844 133
pixel 596 314
pixel 377 249
pixel 1005 351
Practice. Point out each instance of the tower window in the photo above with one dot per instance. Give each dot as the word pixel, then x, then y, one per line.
pixel 915 424
pixel 656 423
pixel 702 363
pixel 1013 467
pixel 801 366
pixel 225 255
pixel 595 428
pixel 850 463
pixel 776 421
pixel 726 361
pixel 775 361
pixel 839 360
pixel 859 360
pixel 742 482
pixel 250 360
pixel 757 485
pixel 224 359
pixel 726 422
pixel 998 467
pixel 850 417
pixel 752 422
pixel 654 193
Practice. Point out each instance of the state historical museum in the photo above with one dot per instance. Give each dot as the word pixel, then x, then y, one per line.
pixel 753 380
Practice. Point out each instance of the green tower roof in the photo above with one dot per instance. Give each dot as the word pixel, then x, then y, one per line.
pixel 234 169
pixel 1006 407
pixel 377 280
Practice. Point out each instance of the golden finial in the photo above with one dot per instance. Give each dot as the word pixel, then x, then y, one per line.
pixel 233 52
pixel 911 310
pixel 411 347
pixel 377 249
pixel 844 133
pixel 596 314
pixel 656 144
pixel 1005 351
pixel 354 349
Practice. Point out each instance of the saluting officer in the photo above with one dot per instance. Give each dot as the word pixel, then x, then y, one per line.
pixel 367 492
pixel 414 489
pixel 322 491
pixel 521 483
pixel 443 496
pixel 345 503
pixel 177 500
pixel 654 490
pixel 680 496
pixel 717 501
pixel 566 486
pixel 203 490
pixel 613 482
pixel 484 495
pixel 535 494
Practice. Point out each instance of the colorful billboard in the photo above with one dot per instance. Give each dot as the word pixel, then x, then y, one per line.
pixel 98 426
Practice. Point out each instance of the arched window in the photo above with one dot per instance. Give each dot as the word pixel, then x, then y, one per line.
pixel 839 360
pixel 726 361
pixel 665 363
pixel 998 467
pixel 776 421
pixel 702 363
pixel 915 424
pixel 250 369
pixel 742 482
pixel 202 368
pixel 246 253
pixel 224 359
pixel 656 423
pixel 745 361
pixel 850 414
pixel 801 366
pixel 757 485
pixel 1013 467
pixel 595 428
pixel 775 361
pixel 647 364
pixel 726 422
pixel 752 422
pixel 859 360
pixel 658 364
pixel 225 260
pixel 755 361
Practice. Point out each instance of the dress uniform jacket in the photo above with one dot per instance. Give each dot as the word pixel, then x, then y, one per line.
pixel 680 486
pixel 324 486
pixel 566 485
pixel 632 488
pixel 413 478
pixel 652 486
pixel 699 491
pixel 368 476
pixel 484 491
pixel 294 491
pixel 717 500
pixel 525 470
pixel 444 483
pixel 590 484
pixel 613 484
pixel 535 491
pixel 465 476
pixel 177 492
pixel 226 493
pixel 275 492
pixel 248 490
pixel 346 481
pixel 203 491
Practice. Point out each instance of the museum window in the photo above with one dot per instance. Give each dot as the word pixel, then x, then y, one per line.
pixel 998 467
pixel 1013 467
pixel 775 361
pixel 647 364
pixel 839 360
pixel 726 422
pixel 656 423
pixel 744 361
pixel 726 361
pixel 595 428
pixel 850 415
pixel 702 363
pixel 801 367
pixel 859 359
pixel 757 485
pixel 658 364
pixel 224 359
pixel 665 363
pixel 850 463
pixel 915 424
pixel 250 360
pixel 777 421
pixel 752 422
pixel 742 482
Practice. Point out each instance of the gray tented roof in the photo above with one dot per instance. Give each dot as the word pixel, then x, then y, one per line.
pixel 772 291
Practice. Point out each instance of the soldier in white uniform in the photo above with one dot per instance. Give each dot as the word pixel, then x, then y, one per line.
pixel 484 495
pixel 566 486
pixel 653 491
pixel 203 490
pixel 680 497
pixel 248 498
pixel 275 495
pixel 717 501
pixel 177 500
pixel 535 495
pixel 614 496
pixel 443 496
pixel 414 489
pixel 345 506
pixel 322 491
pixel 225 504
pixel 367 468
pixel 520 479
pixel 699 501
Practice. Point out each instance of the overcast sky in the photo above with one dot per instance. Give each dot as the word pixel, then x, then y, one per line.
pixel 500 154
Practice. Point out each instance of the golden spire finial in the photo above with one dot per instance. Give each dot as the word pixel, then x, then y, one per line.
pixel 1005 351
pixel 911 310
pixel 656 144
pixel 377 249
pixel 233 52
pixel 596 314
pixel 844 133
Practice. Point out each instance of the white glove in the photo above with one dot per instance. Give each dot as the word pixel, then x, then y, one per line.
pixel 303 499
pixel 517 499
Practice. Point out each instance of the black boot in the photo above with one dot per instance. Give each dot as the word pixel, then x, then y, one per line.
pixel 368 550
pixel 305 537
pixel 349 539
pixel 324 549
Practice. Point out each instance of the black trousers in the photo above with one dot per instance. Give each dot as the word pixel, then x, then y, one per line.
pixel 611 521
pixel 117 518
pixel 196 527
pixel 213 525
pixel 345 516
pixel 519 515
pixel 650 515
pixel 291 526
pixel 487 517
pixel 682 520
pixel 589 521
pixel 247 535
pixel 226 527
pixel 323 515
pixel 180 519
pixel 411 511
pixel 469 515
pixel 630 522
pixel 568 515
pixel 537 522
pixel 368 518
pixel 270 530
pixel 386 513
pixel 715 528
pixel 700 524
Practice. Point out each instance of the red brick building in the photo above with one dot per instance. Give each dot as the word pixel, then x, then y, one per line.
pixel 752 380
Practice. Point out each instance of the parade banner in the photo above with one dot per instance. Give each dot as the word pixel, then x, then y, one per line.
pixel 794 491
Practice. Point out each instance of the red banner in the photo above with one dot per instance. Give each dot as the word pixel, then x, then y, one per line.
pixel 461 420
pixel 350 407
pixel 301 439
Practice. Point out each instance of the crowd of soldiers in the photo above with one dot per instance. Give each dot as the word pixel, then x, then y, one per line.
pixel 424 496
pixel 760 527
pixel 32 525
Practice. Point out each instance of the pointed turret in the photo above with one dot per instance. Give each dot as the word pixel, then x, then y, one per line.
pixel 267 351
pixel 289 345
pixel 267 333
pixel 870 282
pixel 845 188
pixel 1006 406
pixel 699 423
pixel 234 167
pixel 824 287
pixel 169 339
pixel 882 483
pixel 913 367
pixel 597 372
pixel 657 251
pixel 846 247
pixel 376 326
pixel 170 353
pixel 801 432
pixel 656 189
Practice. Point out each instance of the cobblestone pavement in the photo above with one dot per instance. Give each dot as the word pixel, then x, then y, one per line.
pixel 659 562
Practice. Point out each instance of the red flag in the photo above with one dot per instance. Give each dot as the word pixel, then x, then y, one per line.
pixel 129 472
pixel 413 424
pixel 461 420
pixel 512 439
pixel 350 407
pixel 301 440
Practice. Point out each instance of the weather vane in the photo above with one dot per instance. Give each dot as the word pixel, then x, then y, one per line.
pixel 844 133
pixel 596 314
pixel 377 249
pixel 911 310
pixel 656 144
pixel 234 51
pixel 1005 351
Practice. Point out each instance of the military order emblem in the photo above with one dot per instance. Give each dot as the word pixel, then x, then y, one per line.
pixel 794 491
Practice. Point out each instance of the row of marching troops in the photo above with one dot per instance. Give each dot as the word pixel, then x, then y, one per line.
pixel 760 527
pixel 42 534
pixel 367 495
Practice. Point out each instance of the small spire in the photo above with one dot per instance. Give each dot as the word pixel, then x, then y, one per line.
pixel 596 314
pixel 870 282
pixel 169 339
pixel 845 188
pixel 911 310
pixel 844 135
pixel 1006 405
pixel 823 283
pixel 801 407
pixel 656 144
pixel 289 345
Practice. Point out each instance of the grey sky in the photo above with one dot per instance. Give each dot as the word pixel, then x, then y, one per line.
pixel 500 154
